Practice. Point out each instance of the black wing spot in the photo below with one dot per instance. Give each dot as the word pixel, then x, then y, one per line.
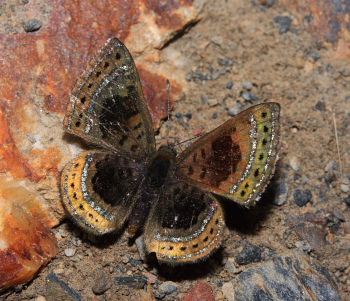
pixel 211 230
pixel 81 207
pixel 72 185
pixel 206 238
pixel 190 171
pixel 98 73
pixel 261 156
pixel 183 248
pixel 203 173
pixel 194 157
pixel 136 127
pixel 256 173
pixel 106 65
pixel 246 185
pixel 91 216
pixel 134 147
pixel 203 153
pixel 266 129
pixel 263 114
pixel 118 56
pixel 75 195
pixel 195 246
pixel 140 135
pixel 243 193
pixel 216 221
pixel 121 141
pixel 82 100
pixel 76 165
pixel 170 248
pixel 264 142
pixel 77 124
pixel 90 85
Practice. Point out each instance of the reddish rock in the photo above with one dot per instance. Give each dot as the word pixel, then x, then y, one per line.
pixel 200 292
pixel 26 244
pixel 327 22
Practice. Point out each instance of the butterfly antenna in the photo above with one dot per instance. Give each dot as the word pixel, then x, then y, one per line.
pixel 182 142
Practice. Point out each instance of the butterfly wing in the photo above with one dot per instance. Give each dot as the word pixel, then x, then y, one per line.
pixel 107 105
pixel 185 225
pixel 237 159
pixel 99 190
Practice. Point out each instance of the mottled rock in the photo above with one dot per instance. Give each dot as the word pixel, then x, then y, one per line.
pixel 58 290
pixel 283 23
pixel 137 282
pixel 166 288
pixel 32 25
pixel 291 277
pixel 101 283
pixel 249 254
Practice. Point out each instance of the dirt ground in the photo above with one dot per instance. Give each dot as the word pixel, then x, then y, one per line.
pixel 236 56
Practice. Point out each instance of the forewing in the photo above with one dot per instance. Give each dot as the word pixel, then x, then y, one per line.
pixel 99 190
pixel 237 159
pixel 107 105
pixel 185 225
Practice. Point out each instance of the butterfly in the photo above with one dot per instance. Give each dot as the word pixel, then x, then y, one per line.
pixel 168 197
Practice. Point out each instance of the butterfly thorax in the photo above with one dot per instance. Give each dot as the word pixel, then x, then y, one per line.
pixel 160 166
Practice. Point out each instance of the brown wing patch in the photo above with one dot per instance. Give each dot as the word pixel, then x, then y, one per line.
pixel 236 159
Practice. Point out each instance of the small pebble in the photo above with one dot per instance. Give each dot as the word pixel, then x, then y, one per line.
pixel 230 266
pixel 125 259
pixel 347 201
pixel 281 193
pixel 247 85
pixel 32 25
pixel 69 252
pixel 345 181
pixel 283 23
pixel 344 188
pixel 236 109
pixel 212 102
pixel 249 254
pixel 294 163
pixel 229 85
pixel 101 282
pixel 167 288
pixel 215 115
pixel 302 197
pixel 331 165
pixel 246 95
pixel 188 116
